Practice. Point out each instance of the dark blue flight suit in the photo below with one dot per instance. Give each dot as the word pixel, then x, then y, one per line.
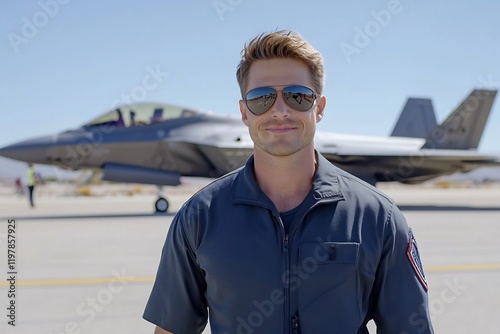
pixel 346 256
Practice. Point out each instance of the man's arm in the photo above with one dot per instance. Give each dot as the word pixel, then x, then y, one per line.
pixel 159 330
pixel 177 300
pixel 400 288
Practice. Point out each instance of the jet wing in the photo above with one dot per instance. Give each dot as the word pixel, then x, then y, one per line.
pixel 408 166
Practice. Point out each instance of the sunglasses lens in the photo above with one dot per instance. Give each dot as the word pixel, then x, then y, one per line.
pixel 299 97
pixel 260 100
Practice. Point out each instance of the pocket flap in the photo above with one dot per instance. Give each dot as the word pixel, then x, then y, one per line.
pixel 330 252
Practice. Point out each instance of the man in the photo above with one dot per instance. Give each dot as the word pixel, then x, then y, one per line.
pixel 31 182
pixel 289 243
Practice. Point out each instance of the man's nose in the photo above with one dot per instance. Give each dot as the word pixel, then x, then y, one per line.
pixel 280 108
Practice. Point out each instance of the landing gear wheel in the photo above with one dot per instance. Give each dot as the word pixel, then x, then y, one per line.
pixel 161 205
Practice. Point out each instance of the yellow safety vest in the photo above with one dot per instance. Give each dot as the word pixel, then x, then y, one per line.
pixel 31 176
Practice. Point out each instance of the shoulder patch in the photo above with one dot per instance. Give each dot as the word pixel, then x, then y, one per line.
pixel 414 258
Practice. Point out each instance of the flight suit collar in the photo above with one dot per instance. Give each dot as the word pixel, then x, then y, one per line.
pixel 325 185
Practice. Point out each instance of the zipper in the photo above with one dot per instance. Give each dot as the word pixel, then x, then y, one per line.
pixel 286 279
pixel 295 324
pixel 285 243
pixel 286 291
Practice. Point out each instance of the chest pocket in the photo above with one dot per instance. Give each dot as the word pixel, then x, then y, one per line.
pixel 328 294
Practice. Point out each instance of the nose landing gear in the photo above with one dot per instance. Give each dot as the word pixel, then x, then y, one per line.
pixel 161 205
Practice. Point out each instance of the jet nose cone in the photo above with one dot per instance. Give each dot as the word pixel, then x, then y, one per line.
pixel 32 150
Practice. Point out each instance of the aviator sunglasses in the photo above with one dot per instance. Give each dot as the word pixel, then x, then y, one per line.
pixel 261 99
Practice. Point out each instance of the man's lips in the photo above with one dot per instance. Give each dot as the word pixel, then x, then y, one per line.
pixel 281 130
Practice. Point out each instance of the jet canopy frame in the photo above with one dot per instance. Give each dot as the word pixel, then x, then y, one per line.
pixel 141 114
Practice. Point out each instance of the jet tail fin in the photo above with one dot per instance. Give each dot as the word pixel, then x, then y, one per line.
pixel 463 128
pixel 417 120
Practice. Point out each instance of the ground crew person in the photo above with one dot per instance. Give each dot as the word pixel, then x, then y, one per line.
pixel 289 243
pixel 31 182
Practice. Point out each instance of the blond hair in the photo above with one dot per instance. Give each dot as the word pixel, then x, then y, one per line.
pixel 281 44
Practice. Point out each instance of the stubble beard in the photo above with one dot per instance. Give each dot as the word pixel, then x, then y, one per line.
pixel 283 147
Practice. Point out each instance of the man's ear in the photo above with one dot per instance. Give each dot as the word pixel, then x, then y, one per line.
pixel 243 111
pixel 320 108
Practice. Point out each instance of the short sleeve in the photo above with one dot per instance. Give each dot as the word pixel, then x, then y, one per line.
pixel 177 302
pixel 400 290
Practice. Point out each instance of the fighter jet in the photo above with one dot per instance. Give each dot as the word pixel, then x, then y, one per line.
pixel 417 120
pixel 157 143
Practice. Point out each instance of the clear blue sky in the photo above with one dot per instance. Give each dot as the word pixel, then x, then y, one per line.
pixel 65 63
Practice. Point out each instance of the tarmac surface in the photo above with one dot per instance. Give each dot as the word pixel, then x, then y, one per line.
pixel 87 264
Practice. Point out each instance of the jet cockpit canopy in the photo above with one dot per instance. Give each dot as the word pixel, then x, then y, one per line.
pixel 141 114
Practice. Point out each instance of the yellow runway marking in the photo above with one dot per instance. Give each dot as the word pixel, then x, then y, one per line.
pixel 150 279
pixel 80 281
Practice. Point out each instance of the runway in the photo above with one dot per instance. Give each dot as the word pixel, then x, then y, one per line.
pixel 87 264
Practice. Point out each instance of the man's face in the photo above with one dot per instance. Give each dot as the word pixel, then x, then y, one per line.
pixel 282 130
